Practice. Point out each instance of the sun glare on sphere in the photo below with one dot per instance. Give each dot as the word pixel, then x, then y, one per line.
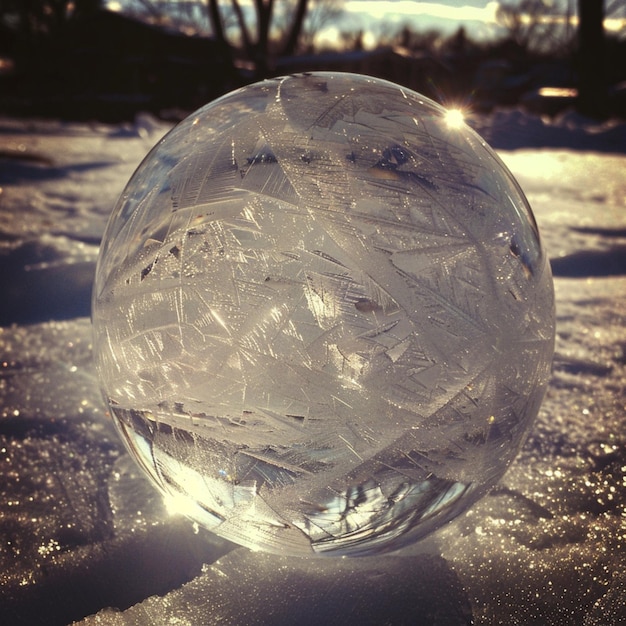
pixel 454 118
pixel 178 504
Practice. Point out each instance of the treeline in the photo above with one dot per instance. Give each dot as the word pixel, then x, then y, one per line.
pixel 70 55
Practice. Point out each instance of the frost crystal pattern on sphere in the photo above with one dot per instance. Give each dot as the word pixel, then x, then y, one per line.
pixel 323 317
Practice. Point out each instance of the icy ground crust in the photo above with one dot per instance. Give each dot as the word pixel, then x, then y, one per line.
pixel 83 532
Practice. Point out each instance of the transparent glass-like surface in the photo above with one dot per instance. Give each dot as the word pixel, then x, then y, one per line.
pixel 323 317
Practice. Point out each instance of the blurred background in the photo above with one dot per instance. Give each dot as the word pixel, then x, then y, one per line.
pixel 87 87
pixel 109 59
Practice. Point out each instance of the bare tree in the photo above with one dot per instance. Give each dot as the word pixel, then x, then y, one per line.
pixel 534 25
pixel 288 20
pixel 591 87
pixel 320 14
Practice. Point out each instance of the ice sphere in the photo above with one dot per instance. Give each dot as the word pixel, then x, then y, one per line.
pixel 323 318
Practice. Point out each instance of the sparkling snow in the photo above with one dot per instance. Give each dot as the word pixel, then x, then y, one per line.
pixel 84 537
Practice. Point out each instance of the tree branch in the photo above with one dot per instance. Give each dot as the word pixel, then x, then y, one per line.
pixel 216 22
pixel 296 28
pixel 245 36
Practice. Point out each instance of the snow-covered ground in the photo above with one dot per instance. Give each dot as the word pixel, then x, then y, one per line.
pixel 84 537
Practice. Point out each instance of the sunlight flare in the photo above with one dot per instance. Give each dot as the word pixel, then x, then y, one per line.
pixel 454 118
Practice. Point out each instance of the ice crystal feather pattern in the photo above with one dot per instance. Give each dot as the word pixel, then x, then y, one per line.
pixel 323 317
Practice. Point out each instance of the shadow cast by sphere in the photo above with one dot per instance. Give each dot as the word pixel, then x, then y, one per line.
pixel 245 587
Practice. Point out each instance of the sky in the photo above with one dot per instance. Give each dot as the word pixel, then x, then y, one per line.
pixel 458 11
pixel 376 17
pixel 445 15
pixel 479 18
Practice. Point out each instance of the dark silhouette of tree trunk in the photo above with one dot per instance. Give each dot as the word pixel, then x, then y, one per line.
pixel 264 10
pixel 296 28
pixel 245 35
pixel 591 82
pixel 216 21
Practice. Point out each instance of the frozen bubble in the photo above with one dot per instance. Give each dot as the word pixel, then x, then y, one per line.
pixel 323 317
